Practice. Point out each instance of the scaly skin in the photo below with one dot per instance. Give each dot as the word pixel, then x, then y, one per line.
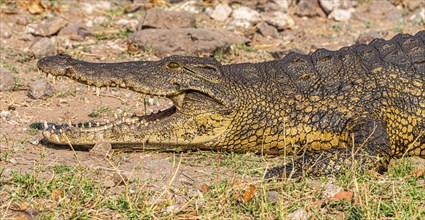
pixel 362 104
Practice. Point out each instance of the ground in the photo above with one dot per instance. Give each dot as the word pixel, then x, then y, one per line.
pixel 41 180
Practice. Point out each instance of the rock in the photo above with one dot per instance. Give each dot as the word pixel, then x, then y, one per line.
pixel 329 5
pixel 7 81
pixel 43 47
pixel 35 140
pixel 100 20
pixel 284 4
pixel 171 209
pixel 89 7
pixel 40 89
pixel 279 20
pixel 5 114
pixel 368 37
pixel 129 24
pixel 161 19
pixel 381 7
pixel 23 20
pixel 221 12
pixel 193 7
pixel 184 41
pixel 75 31
pixel 273 196
pixel 309 8
pixel 415 4
pixel 299 214
pixel 331 190
pixel 267 30
pixel 6 30
pixel 46 28
pixel 246 14
pixel 101 149
pixel 340 15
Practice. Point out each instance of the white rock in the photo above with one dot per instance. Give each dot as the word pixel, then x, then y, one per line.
pixel 299 214
pixel 189 6
pixel 247 14
pixel 279 20
pixel 221 12
pixel 100 20
pixel 331 190
pixel 5 114
pixel 340 15
pixel 283 3
pixel 329 5
pixel 88 8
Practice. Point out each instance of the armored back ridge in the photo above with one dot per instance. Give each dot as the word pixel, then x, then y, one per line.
pixel 362 104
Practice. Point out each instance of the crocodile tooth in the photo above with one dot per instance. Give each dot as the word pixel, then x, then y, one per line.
pixel 88 88
pixel 54 127
pixel 60 131
pixel 115 115
pixel 97 91
pixel 89 125
pixel 69 123
pixel 57 138
pixel 45 125
pixel 97 124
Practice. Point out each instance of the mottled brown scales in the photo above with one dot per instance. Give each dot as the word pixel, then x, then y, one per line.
pixel 362 104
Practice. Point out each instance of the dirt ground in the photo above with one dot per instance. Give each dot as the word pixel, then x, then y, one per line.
pixel 21 145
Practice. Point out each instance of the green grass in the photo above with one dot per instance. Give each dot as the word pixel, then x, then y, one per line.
pixel 74 192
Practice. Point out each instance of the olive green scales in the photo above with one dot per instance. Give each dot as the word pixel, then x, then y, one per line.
pixel 363 104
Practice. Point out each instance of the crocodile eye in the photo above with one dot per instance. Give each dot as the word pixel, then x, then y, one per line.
pixel 173 65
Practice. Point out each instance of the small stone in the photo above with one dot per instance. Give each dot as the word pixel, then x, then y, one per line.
pixel 368 37
pixel 246 14
pixel 46 28
pixel 43 47
pixel 340 15
pixel 221 12
pixel 75 31
pixel 35 141
pixel 299 214
pixel 381 7
pixel 5 114
pixel 156 18
pixel 40 89
pixel 171 209
pixel 101 149
pixel 100 20
pixel 267 30
pixel 118 179
pixel 273 196
pixel 7 81
pixel 6 30
pixel 23 20
pixel 309 8
pixel 192 6
pixel 129 24
pixel 279 20
pixel 284 4
pixel 331 190
pixel 13 161
pixel 329 5
pixel 109 183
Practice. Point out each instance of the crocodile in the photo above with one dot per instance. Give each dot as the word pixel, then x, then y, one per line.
pixel 359 106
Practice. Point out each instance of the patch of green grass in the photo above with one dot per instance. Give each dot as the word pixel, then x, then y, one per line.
pixel 98 112
pixel 120 34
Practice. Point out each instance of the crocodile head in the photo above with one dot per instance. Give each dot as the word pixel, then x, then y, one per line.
pixel 201 113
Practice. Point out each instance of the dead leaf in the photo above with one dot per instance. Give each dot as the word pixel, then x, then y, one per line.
pixel 416 173
pixel 56 194
pixel 249 193
pixel 33 6
pixel 204 188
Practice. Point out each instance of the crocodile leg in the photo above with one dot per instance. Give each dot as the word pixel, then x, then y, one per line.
pixel 367 147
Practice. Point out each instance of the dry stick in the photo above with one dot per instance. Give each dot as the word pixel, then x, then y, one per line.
pixel 73 150
pixel 169 183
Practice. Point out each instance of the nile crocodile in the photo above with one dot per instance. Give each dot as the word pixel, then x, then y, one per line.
pixel 362 104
